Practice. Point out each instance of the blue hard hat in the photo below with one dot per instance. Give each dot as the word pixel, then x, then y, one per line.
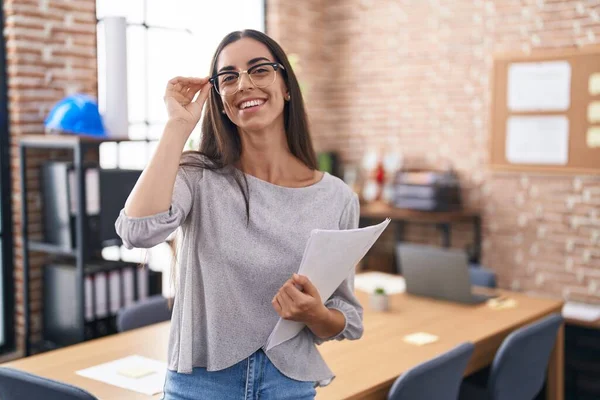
pixel 76 114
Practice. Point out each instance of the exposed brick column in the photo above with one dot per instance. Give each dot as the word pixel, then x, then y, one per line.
pixel 51 53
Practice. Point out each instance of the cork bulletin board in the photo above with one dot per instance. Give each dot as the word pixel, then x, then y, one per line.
pixel 545 114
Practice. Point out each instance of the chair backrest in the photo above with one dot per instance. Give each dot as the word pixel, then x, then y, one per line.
pixel 481 276
pixel 436 379
pixel 519 368
pixel 20 385
pixel 149 311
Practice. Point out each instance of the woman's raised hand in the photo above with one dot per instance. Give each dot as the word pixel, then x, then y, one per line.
pixel 179 99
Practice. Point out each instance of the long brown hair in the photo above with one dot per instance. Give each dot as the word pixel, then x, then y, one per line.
pixel 221 145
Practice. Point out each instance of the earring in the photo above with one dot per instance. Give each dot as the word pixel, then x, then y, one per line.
pixel 222 111
pixel 288 97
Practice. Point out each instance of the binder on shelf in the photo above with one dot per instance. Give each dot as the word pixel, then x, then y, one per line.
pixel 142 283
pixel 89 306
pixel 92 191
pixel 108 286
pixel 59 191
pixel 106 191
pixel 101 286
pixel 128 286
pixel 114 289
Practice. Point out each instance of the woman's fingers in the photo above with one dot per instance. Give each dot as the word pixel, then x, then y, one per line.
pixel 192 90
pixel 182 84
pixel 183 90
pixel 179 98
pixel 187 80
pixel 280 306
pixel 203 95
pixel 276 305
pixel 287 299
pixel 293 293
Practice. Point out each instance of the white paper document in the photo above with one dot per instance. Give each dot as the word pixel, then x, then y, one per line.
pixel 537 140
pixel 137 373
pixel 92 191
pixel 329 258
pixel 594 84
pixel 542 86
pixel 594 112
pixel 369 281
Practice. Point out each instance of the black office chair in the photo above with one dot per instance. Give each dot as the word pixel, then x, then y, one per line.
pixel 20 385
pixel 149 311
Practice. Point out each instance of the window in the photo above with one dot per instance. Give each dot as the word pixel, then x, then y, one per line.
pixel 164 40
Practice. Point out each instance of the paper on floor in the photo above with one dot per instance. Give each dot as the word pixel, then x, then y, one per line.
pixel 137 373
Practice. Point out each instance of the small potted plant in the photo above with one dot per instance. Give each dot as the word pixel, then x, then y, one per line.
pixel 379 300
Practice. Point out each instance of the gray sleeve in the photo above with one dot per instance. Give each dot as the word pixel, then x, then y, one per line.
pixel 146 232
pixel 343 299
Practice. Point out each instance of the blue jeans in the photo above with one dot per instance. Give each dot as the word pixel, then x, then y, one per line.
pixel 251 379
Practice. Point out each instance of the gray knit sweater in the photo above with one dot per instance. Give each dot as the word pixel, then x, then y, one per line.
pixel 229 270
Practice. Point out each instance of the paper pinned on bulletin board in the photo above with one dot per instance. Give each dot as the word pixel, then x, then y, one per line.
pixel 593 136
pixel 594 84
pixel 537 140
pixel 539 86
pixel 593 113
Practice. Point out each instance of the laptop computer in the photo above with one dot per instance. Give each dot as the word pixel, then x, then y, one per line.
pixel 437 272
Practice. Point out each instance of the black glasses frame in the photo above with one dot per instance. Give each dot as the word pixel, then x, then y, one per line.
pixel 214 80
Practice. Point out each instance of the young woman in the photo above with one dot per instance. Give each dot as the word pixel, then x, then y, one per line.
pixel 247 201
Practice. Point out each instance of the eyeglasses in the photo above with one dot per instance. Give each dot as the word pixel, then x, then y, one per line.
pixel 227 83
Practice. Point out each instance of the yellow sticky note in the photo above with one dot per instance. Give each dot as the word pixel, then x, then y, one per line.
pixel 593 136
pixel 594 111
pixel 420 338
pixel 594 84
pixel 502 303
pixel 136 371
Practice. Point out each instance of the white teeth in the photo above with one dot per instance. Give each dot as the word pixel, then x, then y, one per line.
pixel 251 103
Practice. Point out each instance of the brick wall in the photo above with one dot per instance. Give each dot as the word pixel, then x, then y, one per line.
pixel 308 41
pixel 414 75
pixel 51 53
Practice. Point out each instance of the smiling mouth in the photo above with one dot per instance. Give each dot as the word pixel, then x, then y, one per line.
pixel 251 104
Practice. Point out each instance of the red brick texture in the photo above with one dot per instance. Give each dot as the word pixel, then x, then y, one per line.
pixel 415 76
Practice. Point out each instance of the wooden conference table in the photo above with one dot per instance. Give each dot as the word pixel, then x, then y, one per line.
pixel 365 369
